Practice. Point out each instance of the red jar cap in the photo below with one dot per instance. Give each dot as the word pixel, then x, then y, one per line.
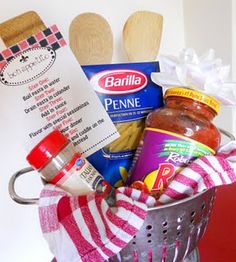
pixel 46 149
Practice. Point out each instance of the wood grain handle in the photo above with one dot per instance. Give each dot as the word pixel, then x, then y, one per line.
pixel 20 27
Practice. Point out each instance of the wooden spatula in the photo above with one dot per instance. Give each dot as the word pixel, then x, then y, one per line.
pixel 18 28
pixel 142 35
pixel 91 39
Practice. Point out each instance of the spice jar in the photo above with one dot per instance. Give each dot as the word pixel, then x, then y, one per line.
pixel 174 135
pixel 57 161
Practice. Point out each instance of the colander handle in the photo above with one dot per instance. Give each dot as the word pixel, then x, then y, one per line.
pixel 12 191
pixel 227 134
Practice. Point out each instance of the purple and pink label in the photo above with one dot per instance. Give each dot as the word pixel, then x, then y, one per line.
pixel 161 154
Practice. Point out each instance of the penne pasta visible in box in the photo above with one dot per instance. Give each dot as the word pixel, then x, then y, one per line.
pixel 128 95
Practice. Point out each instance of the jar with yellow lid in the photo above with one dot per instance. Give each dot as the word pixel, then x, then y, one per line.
pixel 174 136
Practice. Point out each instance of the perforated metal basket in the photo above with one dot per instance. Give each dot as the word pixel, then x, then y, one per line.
pixel 171 232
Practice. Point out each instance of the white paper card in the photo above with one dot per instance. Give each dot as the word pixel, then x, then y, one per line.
pixel 47 89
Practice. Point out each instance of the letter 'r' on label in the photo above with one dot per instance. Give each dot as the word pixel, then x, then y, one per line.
pixel 164 174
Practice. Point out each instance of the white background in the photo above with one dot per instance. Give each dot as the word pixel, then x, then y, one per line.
pixel 187 23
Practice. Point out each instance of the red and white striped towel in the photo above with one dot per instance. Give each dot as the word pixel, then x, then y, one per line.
pixel 204 173
pixel 85 228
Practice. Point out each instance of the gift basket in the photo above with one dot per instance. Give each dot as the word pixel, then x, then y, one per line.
pixel 164 232
pixel 137 180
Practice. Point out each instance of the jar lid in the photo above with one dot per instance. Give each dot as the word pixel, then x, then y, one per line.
pixel 46 149
pixel 210 101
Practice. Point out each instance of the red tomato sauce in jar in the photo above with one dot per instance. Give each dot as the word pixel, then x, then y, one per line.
pixel 174 136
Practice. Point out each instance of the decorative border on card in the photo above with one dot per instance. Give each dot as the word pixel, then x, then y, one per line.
pixel 50 37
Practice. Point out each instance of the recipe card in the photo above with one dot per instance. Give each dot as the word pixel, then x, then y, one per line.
pixel 47 89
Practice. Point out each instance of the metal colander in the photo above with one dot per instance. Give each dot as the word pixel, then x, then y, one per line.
pixel 171 232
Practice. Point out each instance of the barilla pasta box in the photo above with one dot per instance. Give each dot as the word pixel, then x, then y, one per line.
pixel 128 95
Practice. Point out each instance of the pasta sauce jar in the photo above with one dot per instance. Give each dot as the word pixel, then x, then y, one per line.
pixel 174 135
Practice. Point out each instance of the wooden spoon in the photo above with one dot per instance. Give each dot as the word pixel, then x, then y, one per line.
pixel 91 39
pixel 142 35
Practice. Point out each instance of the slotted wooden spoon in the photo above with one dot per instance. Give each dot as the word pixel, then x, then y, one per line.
pixel 142 36
pixel 91 39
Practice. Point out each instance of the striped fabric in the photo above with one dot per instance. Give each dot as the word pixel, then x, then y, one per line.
pixel 204 173
pixel 85 228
